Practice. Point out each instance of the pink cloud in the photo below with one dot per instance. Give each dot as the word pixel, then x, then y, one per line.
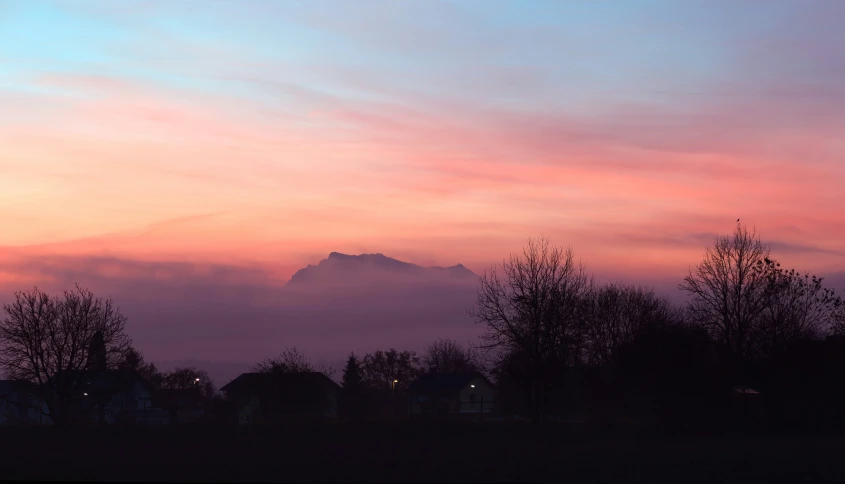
pixel 193 205
pixel 371 173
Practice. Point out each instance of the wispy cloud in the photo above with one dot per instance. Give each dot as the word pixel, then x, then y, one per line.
pixel 269 132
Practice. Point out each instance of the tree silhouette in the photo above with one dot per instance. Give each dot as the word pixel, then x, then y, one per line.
pixel 50 340
pixel 389 370
pixel 189 379
pixel 352 402
pixel 134 360
pixel 290 360
pixel 536 310
pixel 447 356
pixel 797 307
pixel 727 291
pixel 97 354
pixel 353 378
pixel 617 314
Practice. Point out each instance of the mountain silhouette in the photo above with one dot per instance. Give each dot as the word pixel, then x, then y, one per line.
pixel 358 270
pixel 394 303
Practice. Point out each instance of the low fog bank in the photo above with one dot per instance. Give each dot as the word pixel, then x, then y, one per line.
pixel 229 317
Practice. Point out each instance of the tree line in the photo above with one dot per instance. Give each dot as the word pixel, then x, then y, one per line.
pixel 550 332
pixel 746 320
pixel 56 341
pixel 372 381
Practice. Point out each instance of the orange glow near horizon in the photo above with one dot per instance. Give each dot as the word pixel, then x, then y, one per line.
pixel 281 172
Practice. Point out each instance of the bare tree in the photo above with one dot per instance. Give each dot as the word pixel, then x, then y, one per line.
pixel 727 291
pixel 290 360
pixel 391 369
pixel 189 379
pixel 536 309
pixel 618 314
pixel 797 306
pixel 447 356
pixel 51 340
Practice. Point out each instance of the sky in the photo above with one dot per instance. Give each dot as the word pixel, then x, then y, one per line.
pixel 245 139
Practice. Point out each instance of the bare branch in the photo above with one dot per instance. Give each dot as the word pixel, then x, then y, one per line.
pixel 47 340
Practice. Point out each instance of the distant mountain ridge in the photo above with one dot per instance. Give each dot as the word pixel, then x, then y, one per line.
pixel 364 268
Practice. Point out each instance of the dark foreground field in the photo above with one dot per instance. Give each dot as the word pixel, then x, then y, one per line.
pixel 418 452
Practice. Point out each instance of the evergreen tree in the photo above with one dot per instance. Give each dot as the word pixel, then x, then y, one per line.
pixel 352 401
pixel 352 375
pixel 97 354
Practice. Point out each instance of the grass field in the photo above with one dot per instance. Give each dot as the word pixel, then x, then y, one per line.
pixel 413 452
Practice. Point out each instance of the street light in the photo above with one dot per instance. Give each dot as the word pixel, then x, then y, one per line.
pixel 393 396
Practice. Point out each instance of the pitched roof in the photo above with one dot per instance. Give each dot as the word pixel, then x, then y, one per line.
pixel 286 393
pixel 266 382
pixel 445 382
